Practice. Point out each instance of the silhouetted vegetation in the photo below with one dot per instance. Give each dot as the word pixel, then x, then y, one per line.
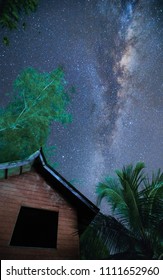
pixel 10 11
pixel 134 228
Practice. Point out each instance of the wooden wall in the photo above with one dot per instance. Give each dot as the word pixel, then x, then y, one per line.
pixel 30 190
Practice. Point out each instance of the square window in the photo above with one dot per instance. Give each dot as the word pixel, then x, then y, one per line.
pixel 35 228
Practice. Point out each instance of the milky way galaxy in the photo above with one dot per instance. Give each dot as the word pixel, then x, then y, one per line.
pixel 112 52
pixel 139 125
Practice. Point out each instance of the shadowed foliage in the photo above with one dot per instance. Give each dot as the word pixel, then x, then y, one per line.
pixel 134 228
pixel 11 11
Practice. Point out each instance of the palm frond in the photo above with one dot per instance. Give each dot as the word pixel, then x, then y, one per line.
pixel 137 206
pixel 111 191
pixel 130 178
pixel 133 175
pixel 106 236
pixel 151 198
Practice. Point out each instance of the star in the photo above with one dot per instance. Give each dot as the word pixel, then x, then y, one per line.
pixel 111 52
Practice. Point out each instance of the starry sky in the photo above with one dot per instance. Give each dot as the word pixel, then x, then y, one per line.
pixel 112 52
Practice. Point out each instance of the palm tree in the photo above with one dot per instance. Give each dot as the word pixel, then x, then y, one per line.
pixel 134 230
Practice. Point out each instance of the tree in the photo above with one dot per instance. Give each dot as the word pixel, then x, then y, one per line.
pixel 10 11
pixel 92 246
pixel 135 227
pixel 39 99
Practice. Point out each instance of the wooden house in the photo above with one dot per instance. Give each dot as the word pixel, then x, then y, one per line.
pixel 41 214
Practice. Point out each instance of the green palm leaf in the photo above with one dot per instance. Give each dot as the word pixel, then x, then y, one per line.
pixel 137 205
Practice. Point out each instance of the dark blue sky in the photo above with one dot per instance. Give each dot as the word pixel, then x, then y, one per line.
pixel 112 52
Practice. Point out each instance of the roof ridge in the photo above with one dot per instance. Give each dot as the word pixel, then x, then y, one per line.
pixel 17 163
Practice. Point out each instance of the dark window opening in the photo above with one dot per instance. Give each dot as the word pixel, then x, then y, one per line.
pixel 35 228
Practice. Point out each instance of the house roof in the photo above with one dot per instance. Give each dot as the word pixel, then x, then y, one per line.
pixel 85 208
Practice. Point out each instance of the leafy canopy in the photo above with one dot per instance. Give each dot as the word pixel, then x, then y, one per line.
pixel 39 99
pixel 10 12
pixel 11 9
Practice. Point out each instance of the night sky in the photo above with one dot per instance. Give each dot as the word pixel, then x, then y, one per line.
pixel 112 52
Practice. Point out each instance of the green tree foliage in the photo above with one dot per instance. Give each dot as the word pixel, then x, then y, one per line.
pixel 6 41
pixel 134 228
pixel 10 11
pixel 39 99
pixel 92 246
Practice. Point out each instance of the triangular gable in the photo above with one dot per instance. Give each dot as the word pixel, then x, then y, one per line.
pixel 85 208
